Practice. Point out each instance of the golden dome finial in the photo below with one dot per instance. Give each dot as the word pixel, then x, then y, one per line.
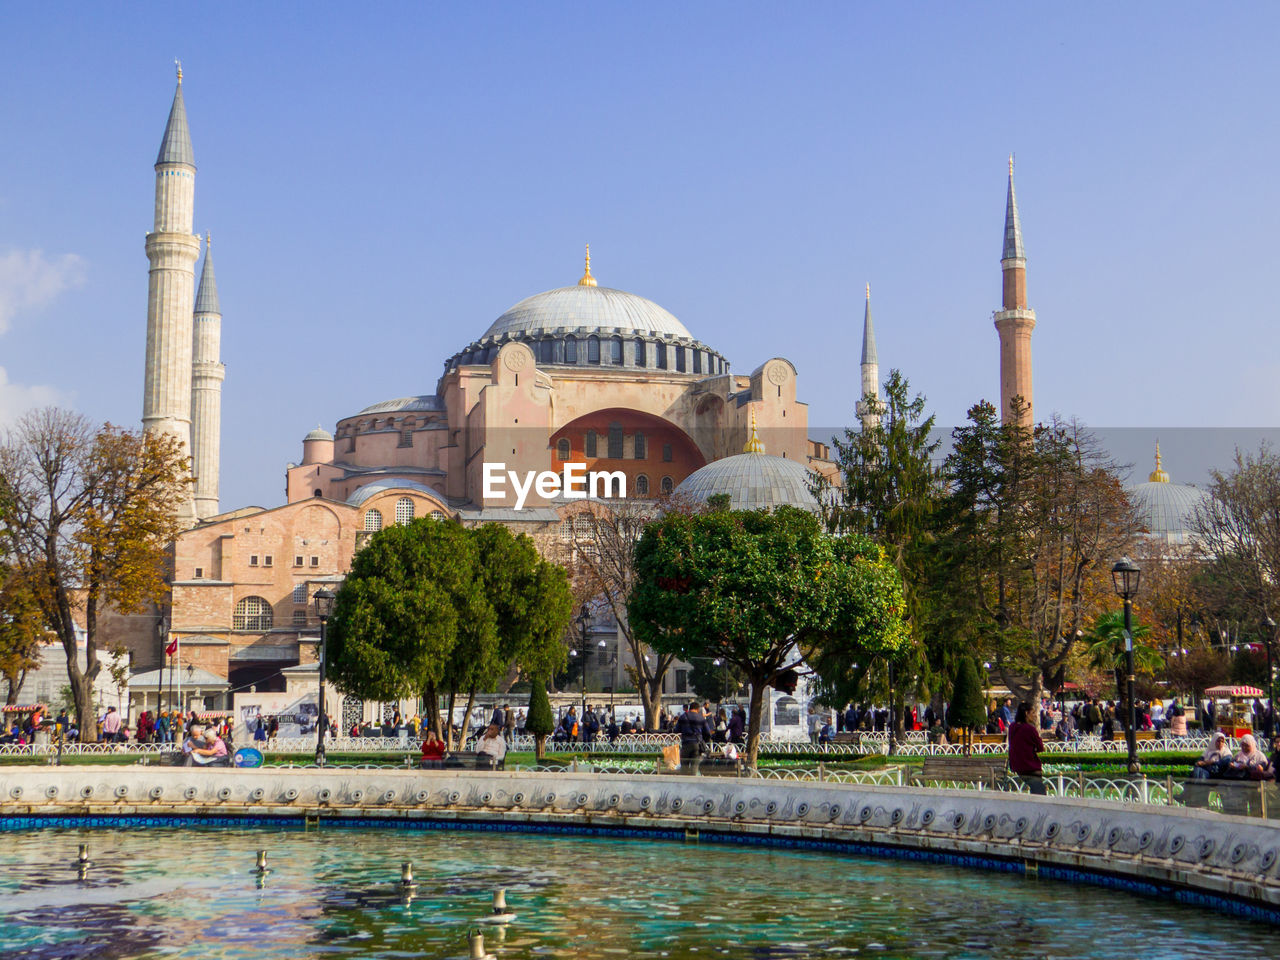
pixel 868 291
pixel 587 279
pixel 1159 474
pixel 753 442
pixel 178 64
pixel 1011 166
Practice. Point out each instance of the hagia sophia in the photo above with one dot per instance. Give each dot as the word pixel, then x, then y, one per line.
pixel 582 373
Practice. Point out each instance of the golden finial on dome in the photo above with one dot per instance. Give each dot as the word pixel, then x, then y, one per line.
pixel 587 279
pixel 753 443
pixel 178 64
pixel 1159 474
pixel 868 291
pixel 1011 165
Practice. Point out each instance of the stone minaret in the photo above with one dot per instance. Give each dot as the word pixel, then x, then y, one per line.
pixel 867 412
pixel 1015 321
pixel 172 250
pixel 207 373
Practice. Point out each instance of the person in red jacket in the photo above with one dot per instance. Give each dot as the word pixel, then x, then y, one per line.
pixel 1024 748
pixel 432 751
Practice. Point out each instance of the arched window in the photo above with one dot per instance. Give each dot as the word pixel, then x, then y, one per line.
pixel 615 441
pixel 642 450
pixel 593 349
pixel 589 447
pixel 667 485
pixel 662 355
pixel 697 361
pixel 404 511
pixel 570 350
pixel 679 359
pixel 252 613
pixel 562 448
pixel 583 528
pixel 615 351
pixel 548 351
pixel 642 485
pixel 373 521
pixel 640 358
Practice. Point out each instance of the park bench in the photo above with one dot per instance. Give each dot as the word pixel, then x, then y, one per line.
pixel 470 760
pixel 988 770
pixel 721 767
pixel 1243 798
pixel 847 736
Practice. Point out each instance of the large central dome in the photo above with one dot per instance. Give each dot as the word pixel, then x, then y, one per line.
pixel 587 308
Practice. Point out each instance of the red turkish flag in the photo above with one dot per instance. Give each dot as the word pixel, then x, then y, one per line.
pixel 172 648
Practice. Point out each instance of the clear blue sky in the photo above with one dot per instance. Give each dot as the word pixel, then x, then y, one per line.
pixel 383 180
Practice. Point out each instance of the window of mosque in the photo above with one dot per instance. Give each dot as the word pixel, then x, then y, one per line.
pixel 297 561
pixel 266 561
pixel 300 618
pixel 697 361
pixel 548 351
pixel 589 446
pixel 406 438
pixel 300 593
pixel 438 515
pixel 666 453
pixel 615 441
pixel 566 530
pixel 667 485
pixel 582 528
pixel 253 560
pixel 199 573
pixel 372 523
pixel 679 359
pixel 639 353
pixel 615 351
pixel 315 561
pixel 562 448
pixel 593 349
pixel 252 613
pixel 642 451
pixel 661 362
pixel 642 485
pixel 570 350
pixel 404 511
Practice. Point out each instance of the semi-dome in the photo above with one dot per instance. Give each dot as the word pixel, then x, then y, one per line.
pixel 1168 510
pixel 587 308
pixel 753 480
pixel 319 433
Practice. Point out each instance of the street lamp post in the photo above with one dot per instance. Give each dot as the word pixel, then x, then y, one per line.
pixel 324 599
pixel 893 718
pixel 584 621
pixel 1270 626
pixel 1124 577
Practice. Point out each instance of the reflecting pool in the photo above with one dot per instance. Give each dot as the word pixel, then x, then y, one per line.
pixel 334 893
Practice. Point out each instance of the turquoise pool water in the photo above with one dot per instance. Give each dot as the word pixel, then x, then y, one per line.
pixel 192 893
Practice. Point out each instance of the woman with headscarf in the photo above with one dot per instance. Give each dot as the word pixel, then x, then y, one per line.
pixel 1215 756
pixel 1249 760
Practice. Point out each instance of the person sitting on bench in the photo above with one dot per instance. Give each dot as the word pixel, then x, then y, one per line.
pixel 491 745
pixel 1216 756
pixel 432 751
pixel 212 751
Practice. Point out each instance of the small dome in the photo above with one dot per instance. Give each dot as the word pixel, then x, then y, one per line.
pixel 1168 510
pixel 587 308
pixel 753 481
pixel 361 494
pixel 319 433
pixel 429 402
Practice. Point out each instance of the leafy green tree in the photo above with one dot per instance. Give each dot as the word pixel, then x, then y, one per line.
pixel 399 613
pixel 539 721
pixel 762 592
pixel 710 681
pixel 968 707
pixel 1106 648
pixel 87 515
pixel 1034 519
pixel 890 490
pixel 433 609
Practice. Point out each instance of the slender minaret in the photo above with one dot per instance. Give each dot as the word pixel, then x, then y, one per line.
pixel 868 413
pixel 1015 321
pixel 172 250
pixel 207 373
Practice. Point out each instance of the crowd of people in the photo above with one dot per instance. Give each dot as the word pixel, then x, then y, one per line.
pixel 167 726
pixel 724 725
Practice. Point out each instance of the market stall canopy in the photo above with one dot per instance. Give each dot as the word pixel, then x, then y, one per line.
pixel 1229 691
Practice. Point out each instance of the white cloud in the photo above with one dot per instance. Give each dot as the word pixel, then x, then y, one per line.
pixel 29 280
pixel 16 398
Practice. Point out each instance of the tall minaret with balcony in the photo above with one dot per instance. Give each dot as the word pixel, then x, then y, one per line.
pixel 868 411
pixel 1015 321
pixel 207 373
pixel 172 249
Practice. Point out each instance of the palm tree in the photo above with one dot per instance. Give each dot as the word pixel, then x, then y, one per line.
pixel 1106 647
